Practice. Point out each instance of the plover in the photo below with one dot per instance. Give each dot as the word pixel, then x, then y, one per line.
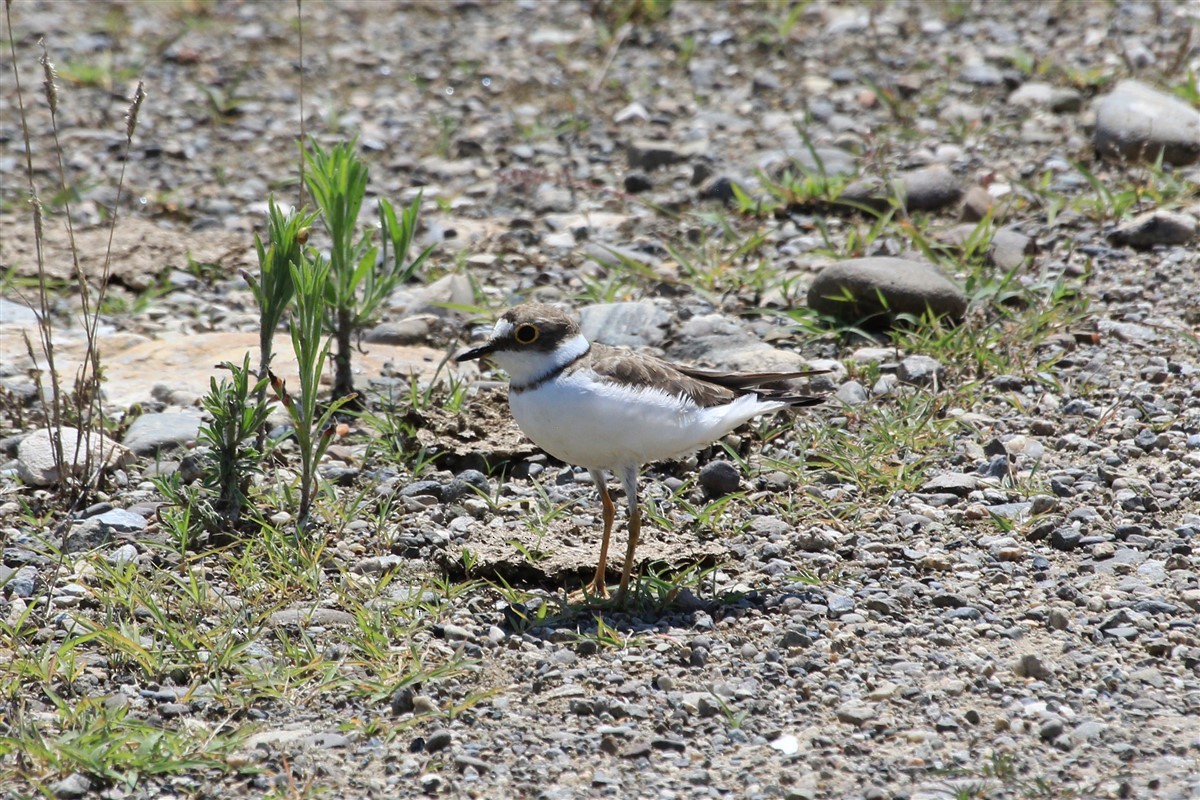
pixel 607 409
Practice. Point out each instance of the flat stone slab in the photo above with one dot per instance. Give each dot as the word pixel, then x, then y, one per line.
pixel 141 249
pixel 566 554
pixel 134 365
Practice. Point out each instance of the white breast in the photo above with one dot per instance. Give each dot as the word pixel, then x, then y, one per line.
pixel 590 423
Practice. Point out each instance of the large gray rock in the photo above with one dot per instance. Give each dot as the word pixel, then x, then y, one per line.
pixel 851 290
pixel 1155 227
pixel 625 324
pixel 926 189
pixel 1137 122
pixel 36 455
pixel 151 433
pixel 712 341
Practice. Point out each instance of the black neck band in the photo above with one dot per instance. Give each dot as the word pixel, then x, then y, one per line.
pixel 542 380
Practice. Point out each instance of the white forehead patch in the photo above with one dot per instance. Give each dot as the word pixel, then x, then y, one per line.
pixel 503 329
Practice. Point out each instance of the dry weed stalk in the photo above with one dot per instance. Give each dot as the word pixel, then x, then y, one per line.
pixel 85 409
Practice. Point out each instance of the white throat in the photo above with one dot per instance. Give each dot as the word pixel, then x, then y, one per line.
pixel 526 367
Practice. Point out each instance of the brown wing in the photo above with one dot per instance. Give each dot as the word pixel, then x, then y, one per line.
pixel 635 369
pixel 703 387
pixel 746 380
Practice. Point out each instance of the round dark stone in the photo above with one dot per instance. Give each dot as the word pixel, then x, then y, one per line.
pixel 1065 538
pixel 720 478
pixel 637 182
pixel 418 488
pixel 438 740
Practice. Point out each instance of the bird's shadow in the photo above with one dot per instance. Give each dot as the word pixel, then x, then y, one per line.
pixel 653 602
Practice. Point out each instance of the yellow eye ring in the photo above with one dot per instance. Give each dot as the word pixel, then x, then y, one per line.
pixel 526 334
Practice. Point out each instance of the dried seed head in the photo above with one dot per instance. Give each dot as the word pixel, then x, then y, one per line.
pixel 36 202
pixel 48 84
pixel 135 105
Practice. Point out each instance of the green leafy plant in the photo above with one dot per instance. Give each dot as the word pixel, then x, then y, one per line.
pixel 272 289
pixel 611 16
pixel 229 460
pixel 238 417
pixel 361 275
pixel 314 426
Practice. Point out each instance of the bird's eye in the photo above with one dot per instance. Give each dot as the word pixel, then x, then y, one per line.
pixel 526 334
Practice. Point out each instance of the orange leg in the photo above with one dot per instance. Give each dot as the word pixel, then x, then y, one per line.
pixel 629 477
pixel 598 586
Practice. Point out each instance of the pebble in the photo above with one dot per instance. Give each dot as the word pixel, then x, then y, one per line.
pixel 1033 666
pixel 977 204
pixel 852 393
pixel 408 331
pixel 723 344
pixel 1051 729
pixel 637 183
pixel 326 741
pixel 839 605
pixel 1045 95
pixel 423 704
pixel 74 785
pixel 121 521
pixel 91 534
pixel 921 371
pixel 931 188
pixel 981 73
pixel 423 488
pixel 469 483
pixel 959 484
pixel 438 740
pixel 125 554
pixel 436 299
pixel 856 713
pixel 649 155
pixel 456 633
pixel 23 581
pixel 1065 538
pixel 788 744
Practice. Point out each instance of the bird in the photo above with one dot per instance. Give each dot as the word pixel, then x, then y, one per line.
pixel 610 409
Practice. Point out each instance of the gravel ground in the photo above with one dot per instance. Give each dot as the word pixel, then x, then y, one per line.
pixel 999 600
